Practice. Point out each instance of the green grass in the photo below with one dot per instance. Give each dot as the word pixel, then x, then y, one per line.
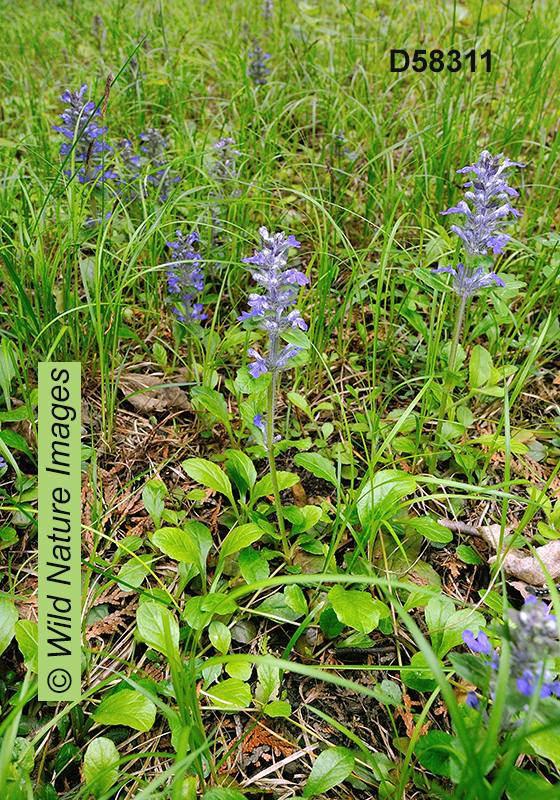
pixel 368 392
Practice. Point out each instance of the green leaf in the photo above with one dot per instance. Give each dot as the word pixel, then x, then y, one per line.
pixel 493 391
pixel 330 623
pixel 296 599
pixel 239 669
pixel 202 537
pixel 357 609
pixel 480 367
pixel 8 619
pixel 430 529
pixel 264 486
pixel 127 707
pixel 16 415
pixel 153 496
pixel 245 382
pixel 380 497
pixel 523 785
pixel 253 565
pixel 278 708
pixel 230 695
pixel 331 767
pixel 300 402
pixel 133 572
pixel 276 608
pixel 208 474
pixel 212 401
pixel 151 619
pixel 468 555
pixel 498 443
pixel 298 338
pixel 176 544
pixel 27 635
pixel 99 773
pixel 458 622
pixel 16 442
pixel 318 465
pixel 198 611
pixel 241 470
pixel 434 751
pixel 419 675
pixel 546 743
pixel 446 625
pixel 220 793
pixel 269 681
pixel 8 367
pixel 220 636
pixel 240 537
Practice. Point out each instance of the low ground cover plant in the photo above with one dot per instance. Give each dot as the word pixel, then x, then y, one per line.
pixel 320 492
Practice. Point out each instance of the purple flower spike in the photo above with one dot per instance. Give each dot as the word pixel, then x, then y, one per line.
pixel 489 193
pixel 257 69
pixel 84 135
pixel 185 277
pixel 280 285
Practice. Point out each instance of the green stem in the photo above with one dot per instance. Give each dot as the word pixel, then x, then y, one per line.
pixel 448 385
pixel 270 446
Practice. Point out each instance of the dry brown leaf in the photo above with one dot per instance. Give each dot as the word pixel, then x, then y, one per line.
pixel 299 495
pixel 146 400
pixel 523 565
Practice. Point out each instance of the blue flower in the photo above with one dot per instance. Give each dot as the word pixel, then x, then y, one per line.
pixel 489 193
pixel 84 135
pixel 280 285
pixel 2 462
pixel 257 68
pixel 472 701
pixel 186 277
pixel 467 283
pixel 479 643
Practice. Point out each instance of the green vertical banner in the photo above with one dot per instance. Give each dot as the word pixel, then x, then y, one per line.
pixel 59 510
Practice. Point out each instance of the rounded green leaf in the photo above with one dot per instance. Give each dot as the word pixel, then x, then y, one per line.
pixel 176 544
pixel 230 695
pixel 208 474
pixel 430 529
pixel 357 609
pixel 331 768
pixel 239 538
pixel 419 674
pixel 380 497
pixel 8 619
pixel 220 636
pixel 219 793
pixel 318 465
pixel 99 772
pixel 27 635
pixel 152 619
pixel 278 708
pixel 264 487
pixel 468 555
pixel 126 707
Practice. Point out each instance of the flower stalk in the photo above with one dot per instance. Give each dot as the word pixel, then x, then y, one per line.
pixel 270 309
